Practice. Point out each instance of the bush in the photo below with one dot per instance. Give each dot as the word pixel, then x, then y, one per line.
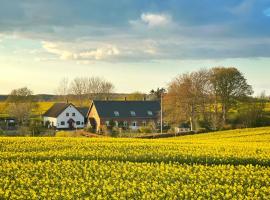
pixel 116 131
pixel 89 129
pixel 145 129
pixel 24 131
pixel 35 127
pixel 104 130
pixel 2 133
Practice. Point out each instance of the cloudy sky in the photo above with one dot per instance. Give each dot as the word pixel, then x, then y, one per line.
pixel 136 44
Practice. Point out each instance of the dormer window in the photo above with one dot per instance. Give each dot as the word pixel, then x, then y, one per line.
pixel 116 113
pixel 150 113
pixel 133 113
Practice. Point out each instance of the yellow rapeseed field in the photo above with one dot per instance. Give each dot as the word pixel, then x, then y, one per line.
pixel 222 165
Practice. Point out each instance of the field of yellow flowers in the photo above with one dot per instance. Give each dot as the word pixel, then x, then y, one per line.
pixel 222 165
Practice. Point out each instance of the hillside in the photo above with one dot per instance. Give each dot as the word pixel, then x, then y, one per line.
pixel 221 165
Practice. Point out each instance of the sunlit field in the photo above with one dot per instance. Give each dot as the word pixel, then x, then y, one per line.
pixel 223 165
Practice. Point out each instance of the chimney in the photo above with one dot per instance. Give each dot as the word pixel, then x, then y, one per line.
pixel 67 101
pixel 125 98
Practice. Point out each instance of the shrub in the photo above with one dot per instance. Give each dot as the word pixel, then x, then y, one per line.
pixel 23 131
pixel 145 129
pixel 2 132
pixel 116 131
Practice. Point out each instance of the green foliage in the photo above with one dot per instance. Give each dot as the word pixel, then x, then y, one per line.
pixel 36 127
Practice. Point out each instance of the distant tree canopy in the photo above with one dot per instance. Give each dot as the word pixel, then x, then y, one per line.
pixel 136 96
pixel 20 104
pixel 20 95
pixel 156 94
pixel 191 96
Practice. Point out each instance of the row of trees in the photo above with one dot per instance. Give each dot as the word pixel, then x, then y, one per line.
pixel 205 97
pixel 81 89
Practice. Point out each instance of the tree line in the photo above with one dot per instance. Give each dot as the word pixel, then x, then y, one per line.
pixel 204 99
pixel 81 89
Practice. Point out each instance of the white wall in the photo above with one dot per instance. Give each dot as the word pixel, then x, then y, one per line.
pixel 78 117
pixel 53 121
pixel 56 122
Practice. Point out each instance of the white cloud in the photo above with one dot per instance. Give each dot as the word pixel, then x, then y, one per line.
pixel 100 53
pixel 68 51
pixel 153 20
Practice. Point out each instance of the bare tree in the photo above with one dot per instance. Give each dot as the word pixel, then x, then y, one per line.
pixel 78 88
pixel 63 89
pixel 85 88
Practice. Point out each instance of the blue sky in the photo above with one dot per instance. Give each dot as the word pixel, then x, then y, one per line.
pixel 136 44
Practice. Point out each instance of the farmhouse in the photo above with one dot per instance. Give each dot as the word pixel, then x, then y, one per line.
pixel 130 114
pixel 65 116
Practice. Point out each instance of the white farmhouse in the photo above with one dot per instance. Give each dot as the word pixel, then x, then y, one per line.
pixel 64 116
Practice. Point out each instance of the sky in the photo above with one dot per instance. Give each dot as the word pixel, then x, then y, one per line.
pixel 138 45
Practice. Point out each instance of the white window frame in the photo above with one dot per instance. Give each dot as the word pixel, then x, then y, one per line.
pixel 116 113
pixel 125 124
pixel 132 113
pixel 134 122
pixel 144 123
pixel 150 113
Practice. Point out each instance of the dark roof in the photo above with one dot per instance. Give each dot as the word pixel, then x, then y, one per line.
pixel 83 110
pixel 56 109
pixel 106 109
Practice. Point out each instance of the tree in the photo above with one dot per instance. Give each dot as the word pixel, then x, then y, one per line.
pixel 77 88
pixel 85 88
pixel 156 94
pixel 187 97
pixel 228 85
pixel 63 89
pixel 20 104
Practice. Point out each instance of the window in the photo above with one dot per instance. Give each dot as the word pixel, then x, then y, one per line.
pixel 82 123
pixel 150 113
pixel 73 114
pixel 62 123
pixel 116 113
pixel 144 123
pixel 125 124
pixel 67 114
pixel 132 113
pixel 78 123
pixel 134 123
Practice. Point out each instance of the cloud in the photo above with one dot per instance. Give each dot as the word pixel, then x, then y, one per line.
pixel 69 51
pixel 135 31
pixel 154 20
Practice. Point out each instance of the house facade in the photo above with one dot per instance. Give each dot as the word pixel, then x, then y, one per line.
pixel 130 114
pixel 64 116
